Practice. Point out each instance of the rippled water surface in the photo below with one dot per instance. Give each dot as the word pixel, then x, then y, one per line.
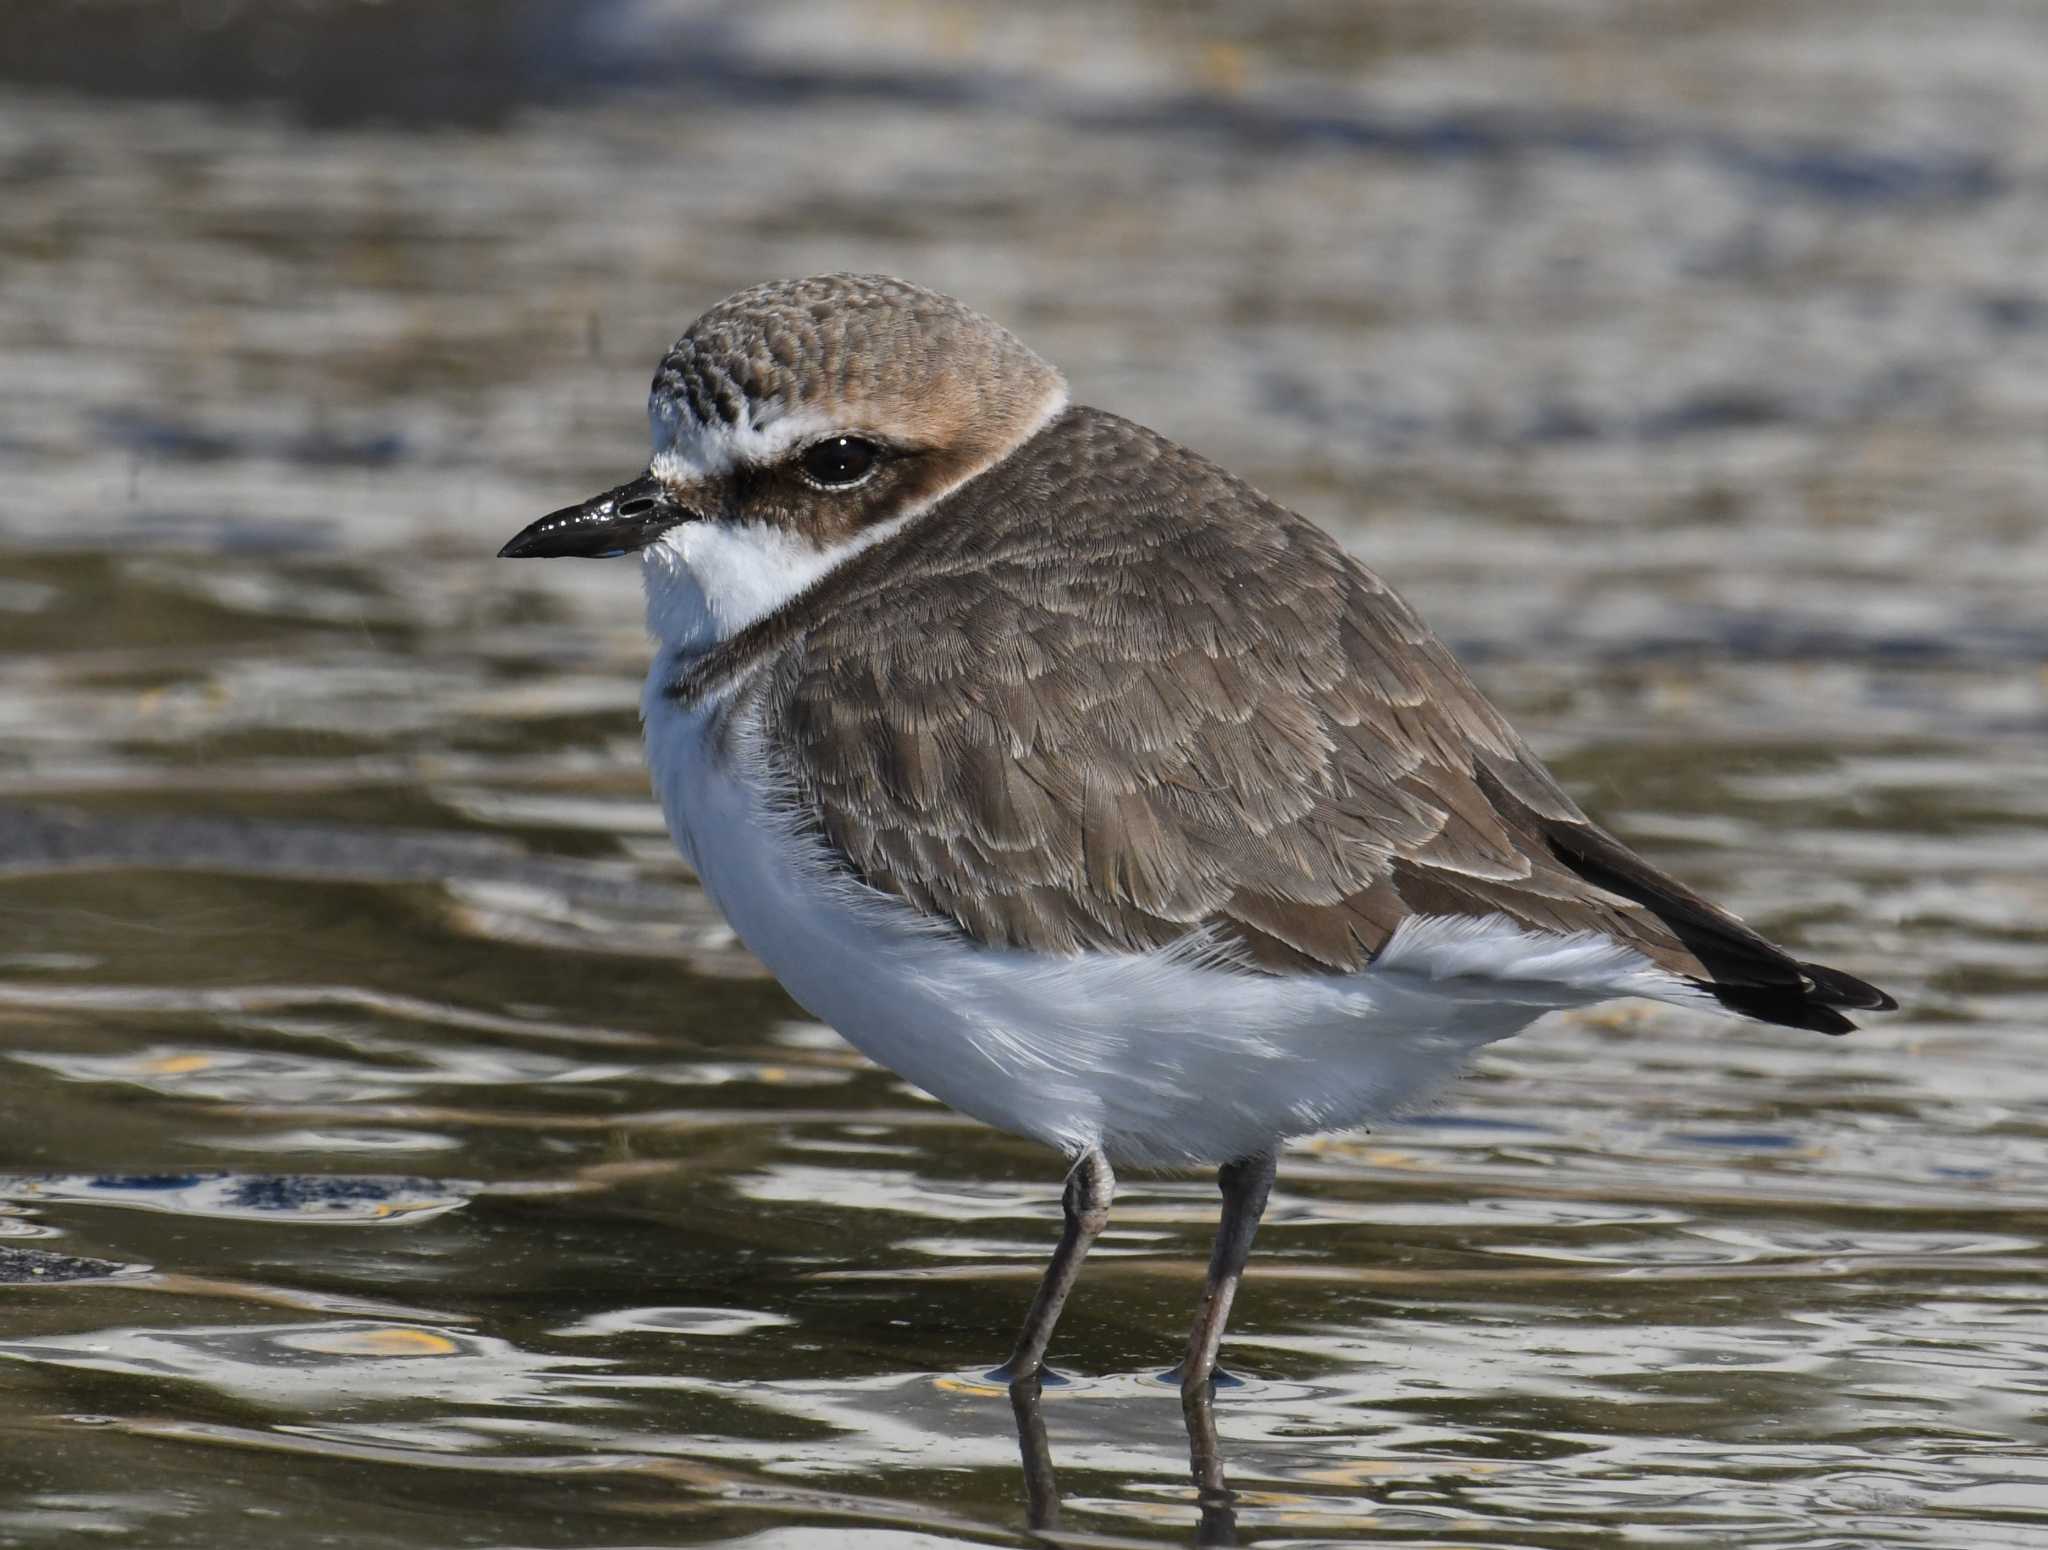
pixel 395 1148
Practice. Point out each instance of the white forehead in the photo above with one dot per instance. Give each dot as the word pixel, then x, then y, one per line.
pixel 686 449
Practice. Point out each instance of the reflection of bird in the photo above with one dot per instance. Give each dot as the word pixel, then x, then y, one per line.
pixel 1078 783
pixel 1213 1495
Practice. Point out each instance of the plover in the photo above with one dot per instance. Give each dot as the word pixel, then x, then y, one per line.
pixel 1084 787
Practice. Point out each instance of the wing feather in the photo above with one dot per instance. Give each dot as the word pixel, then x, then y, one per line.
pixel 1111 698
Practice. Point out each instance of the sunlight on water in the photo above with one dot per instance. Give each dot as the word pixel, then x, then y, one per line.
pixel 398 1149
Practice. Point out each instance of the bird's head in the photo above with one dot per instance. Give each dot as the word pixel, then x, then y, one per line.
pixel 795 423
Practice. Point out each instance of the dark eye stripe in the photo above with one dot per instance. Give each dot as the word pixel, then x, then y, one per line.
pixel 838 460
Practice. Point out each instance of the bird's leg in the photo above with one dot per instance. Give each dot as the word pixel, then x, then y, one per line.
pixel 1090 1188
pixel 1205 1461
pixel 1041 1486
pixel 1245 1185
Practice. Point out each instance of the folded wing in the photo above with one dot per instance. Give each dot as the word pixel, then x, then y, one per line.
pixel 1121 699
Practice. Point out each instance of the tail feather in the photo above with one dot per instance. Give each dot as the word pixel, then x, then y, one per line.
pixel 1815 1003
pixel 1745 972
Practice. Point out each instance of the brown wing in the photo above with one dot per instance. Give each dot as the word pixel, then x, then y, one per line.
pixel 1114 696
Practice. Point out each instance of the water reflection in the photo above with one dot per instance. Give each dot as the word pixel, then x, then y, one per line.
pixel 1214 1499
pixel 247 1197
pixel 316 1368
pixel 398 1149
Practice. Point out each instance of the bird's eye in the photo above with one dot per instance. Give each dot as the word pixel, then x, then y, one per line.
pixel 839 461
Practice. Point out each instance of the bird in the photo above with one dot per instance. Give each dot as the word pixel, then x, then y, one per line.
pixel 1085 787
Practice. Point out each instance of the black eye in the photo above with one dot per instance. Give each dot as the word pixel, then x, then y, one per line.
pixel 839 460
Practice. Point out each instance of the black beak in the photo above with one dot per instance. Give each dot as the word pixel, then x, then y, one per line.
pixel 616 522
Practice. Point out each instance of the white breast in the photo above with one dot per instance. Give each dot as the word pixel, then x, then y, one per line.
pixel 1160 1057
pixel 1157 1057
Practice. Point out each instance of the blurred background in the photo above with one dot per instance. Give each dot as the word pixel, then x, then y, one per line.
pixel 395 1148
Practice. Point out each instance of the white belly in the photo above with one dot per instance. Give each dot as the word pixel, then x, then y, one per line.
pixel 1155 1057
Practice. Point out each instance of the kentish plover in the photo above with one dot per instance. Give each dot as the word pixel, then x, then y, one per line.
pixel 1083 786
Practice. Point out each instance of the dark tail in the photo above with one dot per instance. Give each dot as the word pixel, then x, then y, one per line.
pixel 1816 1002
pixel 1745 973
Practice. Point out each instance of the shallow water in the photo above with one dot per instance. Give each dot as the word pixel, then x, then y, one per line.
pixel 396 1150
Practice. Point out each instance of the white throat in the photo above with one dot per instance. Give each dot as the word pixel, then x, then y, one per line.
pixel 707 581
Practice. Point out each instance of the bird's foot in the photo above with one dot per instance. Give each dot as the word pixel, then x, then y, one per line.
pixel 1218 1378
pixel 1009 1377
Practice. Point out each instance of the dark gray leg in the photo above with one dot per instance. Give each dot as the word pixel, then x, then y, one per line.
pixel 1205 1461
pixel 1090 1188
pixel 1245 1185
pixel 1041 1486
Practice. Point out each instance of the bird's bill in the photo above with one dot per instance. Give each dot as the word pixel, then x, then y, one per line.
pixel 617 522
